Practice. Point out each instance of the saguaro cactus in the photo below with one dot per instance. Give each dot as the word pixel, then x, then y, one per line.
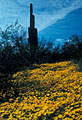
pixel 32 31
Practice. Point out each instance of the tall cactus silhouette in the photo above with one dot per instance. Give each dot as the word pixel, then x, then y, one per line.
pixel 32 31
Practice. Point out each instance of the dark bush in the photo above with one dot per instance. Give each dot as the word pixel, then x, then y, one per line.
pixel 15 52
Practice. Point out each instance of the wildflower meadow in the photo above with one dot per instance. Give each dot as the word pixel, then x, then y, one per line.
pixel 46 92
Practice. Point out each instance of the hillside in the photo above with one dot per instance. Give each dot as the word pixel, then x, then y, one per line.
pixel 46 92
pixel 65 27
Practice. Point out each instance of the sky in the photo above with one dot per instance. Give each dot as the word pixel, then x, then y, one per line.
pixel 47 12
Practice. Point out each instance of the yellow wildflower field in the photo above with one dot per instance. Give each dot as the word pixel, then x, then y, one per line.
pixel 47 92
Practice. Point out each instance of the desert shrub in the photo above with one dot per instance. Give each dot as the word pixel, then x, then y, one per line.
pixel 15 53
pixel 43 53
pixel 73 48
pixel 13 50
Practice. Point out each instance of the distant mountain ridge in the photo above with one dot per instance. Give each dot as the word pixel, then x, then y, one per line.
pixel 64 28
